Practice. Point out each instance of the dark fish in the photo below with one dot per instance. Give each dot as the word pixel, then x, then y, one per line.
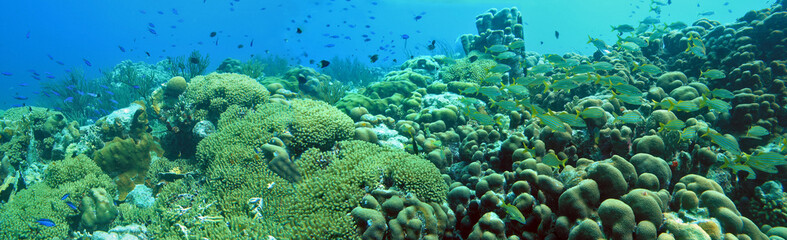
pixel 240 46
pixel 212 34
pixel 175 11
pixel 50 57
pixel 46 222
pixel 251 44
pixel 152 31
pixel 418 17
pixel 557 35
pixel 394 60
pixel 431 46
pixel 18 97
pixel 373 58
pixel 36 78
pixel 60 63
pixel 195 60
pixel 323 63
pixel 405 36
pixel 330 45
pixel 367 40
pixel 311 61
pixel 87 62
pixel 151 25
pixel 7 73
pixel 121 48
pixel 147 53
pixel 298 30
pixel 71 205
pixel 65 196
pixel 160 12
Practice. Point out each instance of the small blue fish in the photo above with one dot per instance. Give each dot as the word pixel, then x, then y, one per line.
pixel 113 101
pixel 152 31
pixel 71 205
pixel 24 84
pixel 405 36
pixel 121 48
pixel 46 222
pixel 175 11
pixel 109 92
pixel 56 93
pixel 135 86
pixel 87 62
pixel 151 25
pixel 81 93
pixel 65 196
pixel 18 97
pixel 50 76
pixel 60 63
pixel 335 36
pixel 7 73
pixel 50 57
pixel 418 17
pixel 330 45
pixel 68 100
pixel 36 78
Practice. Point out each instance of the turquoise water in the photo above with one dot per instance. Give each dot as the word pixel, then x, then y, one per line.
pixel 348 119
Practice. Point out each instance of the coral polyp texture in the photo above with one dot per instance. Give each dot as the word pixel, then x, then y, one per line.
pixel 674 131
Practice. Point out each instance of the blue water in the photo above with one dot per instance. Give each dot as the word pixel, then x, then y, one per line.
pixel 71 32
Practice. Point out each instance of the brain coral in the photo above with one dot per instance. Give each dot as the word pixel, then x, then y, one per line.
pixel 215 92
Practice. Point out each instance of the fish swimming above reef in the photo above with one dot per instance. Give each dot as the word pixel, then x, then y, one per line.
pixel 323 63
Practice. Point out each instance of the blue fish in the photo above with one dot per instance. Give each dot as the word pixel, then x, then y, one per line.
pixel 46 222
pixel 142 11
pixel 113 101
pixel 65 196
pixel 7 73
pixel 330 45
pixel 56 93
pixel 87 62
pixel 18 105
pixel 175 11
pixel 135 86
pixel 109 92
pixel 160 12
pixel 71 205
pixel 335 36
pixel 18 97
pixel 36 78
pixel 81 93
pixel 405 36
pixel 50 76
pixel 151 25
pixel 68 100
pixel 152 31
pixel 418 17
pixel 121 48
pixel 60 63
pixel 50 57
pixel 24 84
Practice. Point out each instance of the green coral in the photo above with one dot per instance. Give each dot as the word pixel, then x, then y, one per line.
pixel 39 201
pixel 408 75
pixel 467 70
pixel 216 91
pixel 77 175
pixel 333 182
